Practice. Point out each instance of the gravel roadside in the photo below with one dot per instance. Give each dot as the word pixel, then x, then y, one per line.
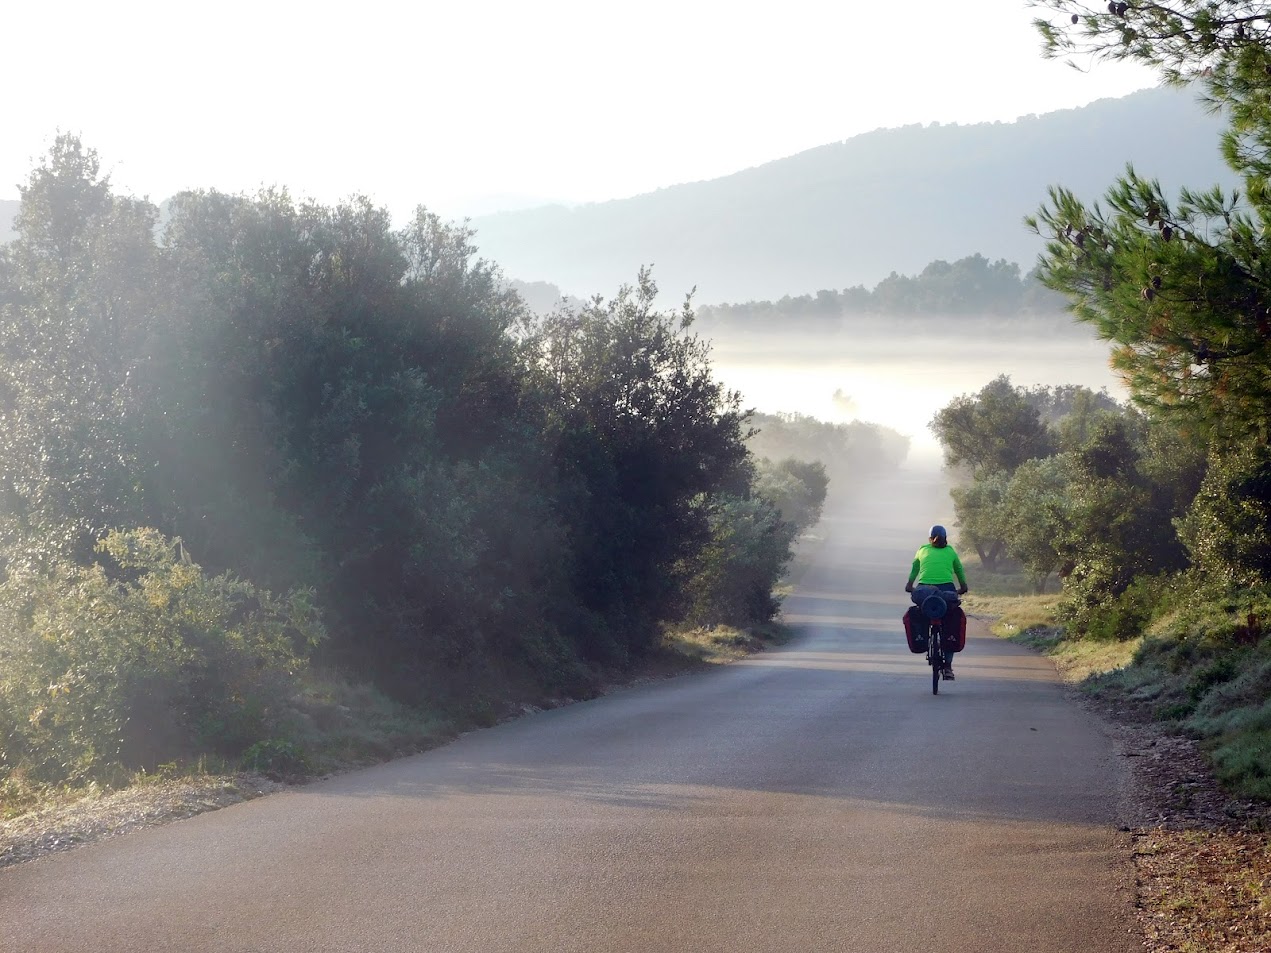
pixel 1202 857
pixel 87 820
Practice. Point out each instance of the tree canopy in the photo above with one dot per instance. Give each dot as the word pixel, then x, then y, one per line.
pixel 1180 286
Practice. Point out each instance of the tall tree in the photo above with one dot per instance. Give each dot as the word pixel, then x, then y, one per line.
pixel 77 308
pixel 1182 288
pixel 644 434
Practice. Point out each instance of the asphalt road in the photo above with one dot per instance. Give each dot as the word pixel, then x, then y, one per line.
pixel 817 798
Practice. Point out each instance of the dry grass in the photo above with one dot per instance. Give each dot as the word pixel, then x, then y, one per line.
pixel 1014 614
pixel 1030 620
pixel 1077 661
pixel 721 643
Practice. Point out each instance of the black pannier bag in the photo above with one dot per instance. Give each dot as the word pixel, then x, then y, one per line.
pixel 953 632
pixel 915 630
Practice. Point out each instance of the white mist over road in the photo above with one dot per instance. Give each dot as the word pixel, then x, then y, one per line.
pixel 898 382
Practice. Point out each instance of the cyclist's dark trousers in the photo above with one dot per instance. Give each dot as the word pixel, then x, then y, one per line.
pixel 918 595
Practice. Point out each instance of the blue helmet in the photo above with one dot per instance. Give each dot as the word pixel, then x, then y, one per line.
pixel 937 530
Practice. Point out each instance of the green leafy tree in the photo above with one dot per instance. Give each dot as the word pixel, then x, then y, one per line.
pixel 731 579
pixel 989 434
pixel 994 430
pixel 796 488
pixel 1227 529
pixel 78 308
pixel 1119 522
pixel 356 414
pixel 978 506
pixel 1034 517
pixel 644 436
pixel 1072 404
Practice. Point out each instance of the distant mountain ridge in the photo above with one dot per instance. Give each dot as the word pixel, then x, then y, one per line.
pixel 853 212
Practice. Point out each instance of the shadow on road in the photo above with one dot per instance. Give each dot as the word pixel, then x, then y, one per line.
pixel 844 717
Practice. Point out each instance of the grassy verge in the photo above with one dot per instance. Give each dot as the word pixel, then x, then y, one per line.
pixel 1199 673
pixel 1030 620
pixel 328 725
pixel 332 724
pixel 722 643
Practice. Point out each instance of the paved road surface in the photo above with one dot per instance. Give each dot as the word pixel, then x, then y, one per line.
pixel 817 798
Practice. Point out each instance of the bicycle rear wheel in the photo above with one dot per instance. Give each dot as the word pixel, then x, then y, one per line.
pixel 934 658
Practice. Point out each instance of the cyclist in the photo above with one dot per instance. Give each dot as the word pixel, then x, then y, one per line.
pixel 935 564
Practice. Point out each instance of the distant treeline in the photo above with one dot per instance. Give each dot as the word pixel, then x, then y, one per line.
pixel 845 450
pixel 971 287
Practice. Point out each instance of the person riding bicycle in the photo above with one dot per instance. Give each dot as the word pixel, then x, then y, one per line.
pixel 935 564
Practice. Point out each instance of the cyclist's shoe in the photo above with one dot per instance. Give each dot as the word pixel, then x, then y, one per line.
pixel 948 673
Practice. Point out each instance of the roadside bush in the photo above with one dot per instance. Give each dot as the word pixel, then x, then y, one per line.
pixel 276 758
pixel 1226 528
pixel 735 574
pixel 1126 615
pixel 141 659
pixel 796 488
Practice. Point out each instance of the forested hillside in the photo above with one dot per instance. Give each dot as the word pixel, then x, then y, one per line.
pixel 850 213
pixel 282 434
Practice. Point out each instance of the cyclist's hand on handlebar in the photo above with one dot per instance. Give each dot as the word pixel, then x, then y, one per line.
pixel 962 591
pixel 909 587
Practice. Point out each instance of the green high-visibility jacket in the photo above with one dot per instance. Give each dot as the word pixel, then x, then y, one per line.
pixel 933 566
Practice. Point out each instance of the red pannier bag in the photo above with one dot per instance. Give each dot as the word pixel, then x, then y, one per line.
pixel 914 627
pixel 954 630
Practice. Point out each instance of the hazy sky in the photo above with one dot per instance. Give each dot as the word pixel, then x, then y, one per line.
pixel 465 106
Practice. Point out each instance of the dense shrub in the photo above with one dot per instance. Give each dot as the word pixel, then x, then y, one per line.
pixel 141 658
pixel 796 488
pixel 732 579
pixel 1121 616
pixel 1227 529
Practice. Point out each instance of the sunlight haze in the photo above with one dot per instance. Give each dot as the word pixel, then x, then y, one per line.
pixel 473 108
